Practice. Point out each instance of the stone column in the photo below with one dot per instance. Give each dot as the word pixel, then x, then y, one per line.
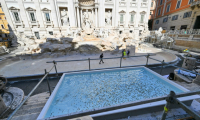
pixel 24 18
pixel 78 16
pixel 71 14
pixel 54 16
pixel 81 17
pixel 93 16
pixel 39 17
pixel 96 18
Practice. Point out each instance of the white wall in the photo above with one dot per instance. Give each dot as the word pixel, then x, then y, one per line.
pixel 54 5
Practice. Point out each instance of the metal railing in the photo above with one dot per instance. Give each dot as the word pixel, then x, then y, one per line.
pixel 184 32
pixel 107 108
pixel 89 63
pixel 167 98
pixel 20 105
pixel 54 66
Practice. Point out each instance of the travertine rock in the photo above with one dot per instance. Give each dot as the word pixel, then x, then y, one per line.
pixel 4 50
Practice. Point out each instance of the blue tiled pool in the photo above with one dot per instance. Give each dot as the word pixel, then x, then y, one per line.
pixel 91 90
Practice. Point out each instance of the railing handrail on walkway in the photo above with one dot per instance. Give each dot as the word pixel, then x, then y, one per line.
pixel 20 105
pixel 164 63
pixel 106 109
pixel 54 66
pixel 150 54
pixel 102 109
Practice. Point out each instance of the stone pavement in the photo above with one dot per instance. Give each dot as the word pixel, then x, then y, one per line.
pixel 30 67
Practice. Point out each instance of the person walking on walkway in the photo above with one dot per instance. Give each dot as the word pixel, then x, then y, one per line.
pixel 128 52
pixel 124 54
pixel 101 58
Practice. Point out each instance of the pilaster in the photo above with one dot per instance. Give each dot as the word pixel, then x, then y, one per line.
pixel 40 17
pixel 27 30
pixel 71 14
pixel 54 16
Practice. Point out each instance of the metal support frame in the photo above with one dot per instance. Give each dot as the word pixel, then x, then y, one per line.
pixel 106 109
pixel 120 62
pixel 47 81
pixel 55 67
pixel 172 99
pixel 147 60
pixel 89 62
pixel 162 66
pixel 26 98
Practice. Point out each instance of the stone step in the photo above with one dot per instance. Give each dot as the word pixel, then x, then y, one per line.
pixel 29 111
pixel 36 101
pixel 25 107
pixel 32 116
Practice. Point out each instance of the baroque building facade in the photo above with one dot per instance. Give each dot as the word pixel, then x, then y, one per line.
pixel 4 32
pixel 40 17
pixel 177 14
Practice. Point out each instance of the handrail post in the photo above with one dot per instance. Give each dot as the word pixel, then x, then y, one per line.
pixel 147 60
pixel 170 100
pixel 47 81
pixel 162 66
pixel 55 68
pixel 89 63
pixel 120 62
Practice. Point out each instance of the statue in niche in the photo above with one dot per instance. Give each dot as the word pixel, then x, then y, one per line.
pixel 64 18
pixel 108 18
pixel 87 22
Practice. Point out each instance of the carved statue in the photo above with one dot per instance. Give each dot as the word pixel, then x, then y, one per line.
pixel 87 22
pixel 64 18
pixel 69 33
pixel 108 18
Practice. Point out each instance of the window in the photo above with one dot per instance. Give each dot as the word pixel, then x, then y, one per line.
pixel 150 13
pixel 16 16
pixel 157 22
pixel 131 31
pixel 47 16
pixel 191 1
pixel 151 4
pixel 132 18
pixel 50 32
pixel 165 19
pixel 178 4
pixel 187 14
pixel 6 35
pixel 120 32
pixel 175 17
pixel 2 26
pixel 168 7
pixel 37 35
pixel 161 1
pixel 172 28
pixel 183 27
pixel 142 19
pixel 121 18
pixel 32 15
pixel 0 18
pixel 5 18
pixel 159 11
